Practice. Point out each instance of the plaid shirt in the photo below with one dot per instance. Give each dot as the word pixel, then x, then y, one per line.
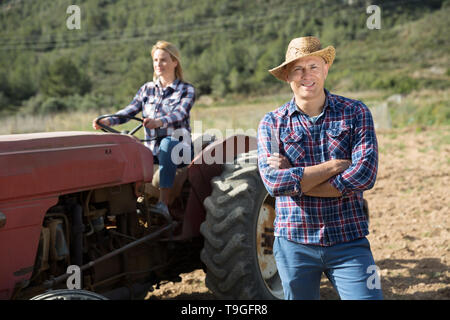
pixel 171 105
pixel 344 130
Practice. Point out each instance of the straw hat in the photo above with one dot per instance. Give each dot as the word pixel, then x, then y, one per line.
pixel 300 48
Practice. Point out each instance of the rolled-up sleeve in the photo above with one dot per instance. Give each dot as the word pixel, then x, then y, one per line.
pixel 362 173
pixel 278 182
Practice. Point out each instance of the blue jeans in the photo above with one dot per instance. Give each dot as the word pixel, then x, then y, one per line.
pixel 167 167
pixel 349 266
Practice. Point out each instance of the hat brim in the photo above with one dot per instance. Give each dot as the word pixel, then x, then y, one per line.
pixel 328 54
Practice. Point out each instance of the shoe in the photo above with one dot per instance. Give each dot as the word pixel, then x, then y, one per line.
pixel 162 209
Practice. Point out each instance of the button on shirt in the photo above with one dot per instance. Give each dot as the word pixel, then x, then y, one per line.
pixel 171 104
pixel 345 130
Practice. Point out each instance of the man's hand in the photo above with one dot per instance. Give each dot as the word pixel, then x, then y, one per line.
pixel 152 123
pixel 104 121
pixel 317 174
pixel 277 161
pixel 325 189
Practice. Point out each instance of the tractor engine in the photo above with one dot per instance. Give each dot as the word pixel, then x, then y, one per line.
pixel 84 227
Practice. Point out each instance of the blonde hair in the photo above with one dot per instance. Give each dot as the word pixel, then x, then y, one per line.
pixel 174 54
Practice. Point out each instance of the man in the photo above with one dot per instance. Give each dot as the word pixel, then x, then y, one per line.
pixel 316 155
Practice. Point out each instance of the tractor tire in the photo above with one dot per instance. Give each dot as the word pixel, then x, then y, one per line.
pixel 238 232
pixel 66 294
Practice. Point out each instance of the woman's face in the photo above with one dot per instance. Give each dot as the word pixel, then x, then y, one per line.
pixel 163 64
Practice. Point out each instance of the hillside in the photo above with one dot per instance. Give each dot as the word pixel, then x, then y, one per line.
pixel 227 48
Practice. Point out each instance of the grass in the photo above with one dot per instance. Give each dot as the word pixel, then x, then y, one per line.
pixel 73 121
pixel 426 108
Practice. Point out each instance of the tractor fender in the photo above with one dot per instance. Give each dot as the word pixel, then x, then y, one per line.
pixel 206 165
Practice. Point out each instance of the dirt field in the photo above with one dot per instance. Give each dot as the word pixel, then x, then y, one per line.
pixel 409 225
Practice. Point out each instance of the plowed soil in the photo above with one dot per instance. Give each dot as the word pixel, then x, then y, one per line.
pixel 409 221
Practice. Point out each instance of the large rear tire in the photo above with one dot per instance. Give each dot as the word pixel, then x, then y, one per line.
pixel 238 232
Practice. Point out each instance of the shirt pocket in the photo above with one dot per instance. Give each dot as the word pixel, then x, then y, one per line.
pixel 174 100
pixel 292 145
pixel 338 141
pixel 149 108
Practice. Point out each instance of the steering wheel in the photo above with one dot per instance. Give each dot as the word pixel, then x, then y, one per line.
pixel 106 128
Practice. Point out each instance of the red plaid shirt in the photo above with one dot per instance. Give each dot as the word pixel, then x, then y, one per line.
pixel 344 130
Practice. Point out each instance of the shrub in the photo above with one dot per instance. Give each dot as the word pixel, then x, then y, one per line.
pixel 4 101
pixel 63 79
pixel 399 84
pixel 53 105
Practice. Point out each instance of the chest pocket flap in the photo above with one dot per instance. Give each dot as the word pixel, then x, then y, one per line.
pixel 337 129
pixel 174 99
pixel 339 140
pixel 292 144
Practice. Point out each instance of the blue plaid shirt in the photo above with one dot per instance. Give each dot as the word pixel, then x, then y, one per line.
pixel 344 130
pixel 171 105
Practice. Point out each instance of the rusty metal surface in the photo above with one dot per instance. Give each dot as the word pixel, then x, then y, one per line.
pixel 19 240
pixel 36 169
pixel 264 241
pixel 41 165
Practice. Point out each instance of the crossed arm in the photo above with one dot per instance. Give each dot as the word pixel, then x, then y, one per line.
pixel 315 178
pixel 332 178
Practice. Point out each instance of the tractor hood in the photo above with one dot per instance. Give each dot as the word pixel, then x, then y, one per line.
pixel 55 163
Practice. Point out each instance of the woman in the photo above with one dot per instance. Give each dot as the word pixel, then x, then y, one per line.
pixel 165 103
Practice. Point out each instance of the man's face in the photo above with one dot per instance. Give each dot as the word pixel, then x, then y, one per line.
pixel 307 77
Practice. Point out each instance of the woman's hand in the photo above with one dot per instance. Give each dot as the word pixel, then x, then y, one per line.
pixel 152 123
pixel 277 161
pixel 104 121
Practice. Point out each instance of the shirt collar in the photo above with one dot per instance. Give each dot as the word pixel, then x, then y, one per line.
pixel 329 102
pixel 173 85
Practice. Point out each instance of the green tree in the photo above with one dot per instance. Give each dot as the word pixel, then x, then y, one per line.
pixel 20 81
pixel 235 80
pixel 219 86
pixel 64 78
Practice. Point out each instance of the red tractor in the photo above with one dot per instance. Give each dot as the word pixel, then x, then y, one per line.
pixel 84 199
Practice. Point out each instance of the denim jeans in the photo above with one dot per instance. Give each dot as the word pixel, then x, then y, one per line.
pixel 167 167
pixel 349 266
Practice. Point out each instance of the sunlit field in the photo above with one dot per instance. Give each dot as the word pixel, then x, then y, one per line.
pixel 417 109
